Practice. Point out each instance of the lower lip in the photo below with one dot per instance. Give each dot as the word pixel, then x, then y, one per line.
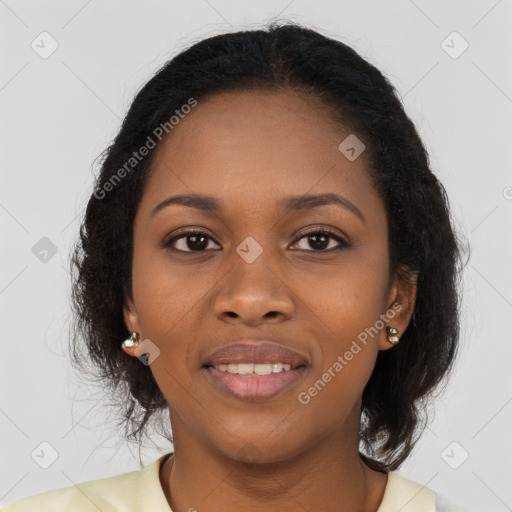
pixel 254 388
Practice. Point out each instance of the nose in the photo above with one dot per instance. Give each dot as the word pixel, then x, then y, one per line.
pixel 253 293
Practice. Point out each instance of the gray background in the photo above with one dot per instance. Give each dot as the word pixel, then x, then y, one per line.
pixel 59 112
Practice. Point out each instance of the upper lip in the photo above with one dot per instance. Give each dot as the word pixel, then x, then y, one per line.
pixel 255 351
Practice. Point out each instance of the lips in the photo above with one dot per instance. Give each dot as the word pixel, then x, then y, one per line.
pixel 249 386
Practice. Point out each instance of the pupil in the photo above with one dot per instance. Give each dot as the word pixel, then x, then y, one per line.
pixel 322 245
pixel 195 239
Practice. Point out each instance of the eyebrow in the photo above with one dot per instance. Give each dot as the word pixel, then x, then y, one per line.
pixel 290 203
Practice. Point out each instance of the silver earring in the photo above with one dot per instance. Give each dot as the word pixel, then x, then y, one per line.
pixel 392 335
pixel 132 341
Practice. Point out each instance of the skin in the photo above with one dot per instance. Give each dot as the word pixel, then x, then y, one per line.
pixel 250 150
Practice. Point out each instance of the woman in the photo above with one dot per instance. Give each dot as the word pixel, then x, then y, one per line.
pixel 268 239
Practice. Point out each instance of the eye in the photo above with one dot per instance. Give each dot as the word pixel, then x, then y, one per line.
pixel 198 241
pixel 318 239
pixel 189 241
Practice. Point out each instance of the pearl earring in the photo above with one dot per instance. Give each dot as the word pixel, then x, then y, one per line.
pixel 392 335
pixel 132 341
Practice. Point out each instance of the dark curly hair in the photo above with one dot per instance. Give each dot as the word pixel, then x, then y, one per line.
pixel 422 238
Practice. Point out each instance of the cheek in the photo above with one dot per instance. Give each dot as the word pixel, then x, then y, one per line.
pixel 348 348
pixel 348 302
pixel 165 294
pixel 167 303
pixel 346 298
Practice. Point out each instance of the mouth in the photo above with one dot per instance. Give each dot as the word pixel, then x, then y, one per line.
pixel 254 372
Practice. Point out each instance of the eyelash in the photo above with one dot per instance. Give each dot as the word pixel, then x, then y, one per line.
pixel 318 231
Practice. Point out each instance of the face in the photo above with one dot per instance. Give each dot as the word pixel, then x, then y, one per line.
pixel 262 274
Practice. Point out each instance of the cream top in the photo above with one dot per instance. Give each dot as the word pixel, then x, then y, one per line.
pixel 141 491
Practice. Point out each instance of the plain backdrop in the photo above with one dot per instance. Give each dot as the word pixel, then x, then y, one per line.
pixel 450 61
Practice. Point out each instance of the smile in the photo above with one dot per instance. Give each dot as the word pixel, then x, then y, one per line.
pixel 255 370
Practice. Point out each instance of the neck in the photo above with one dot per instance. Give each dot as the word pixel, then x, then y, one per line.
pixel 328 476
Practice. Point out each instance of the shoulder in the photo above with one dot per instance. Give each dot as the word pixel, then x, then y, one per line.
pixel 113 494
pixel 106 494
pixel 404 495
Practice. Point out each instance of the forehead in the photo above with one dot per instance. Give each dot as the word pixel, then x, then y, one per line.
pixel 252 147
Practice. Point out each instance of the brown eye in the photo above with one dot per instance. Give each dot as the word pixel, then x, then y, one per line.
pixel 190 241
pixel 320 240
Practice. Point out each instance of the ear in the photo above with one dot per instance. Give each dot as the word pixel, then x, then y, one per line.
pixel 399 306
pixel 131 320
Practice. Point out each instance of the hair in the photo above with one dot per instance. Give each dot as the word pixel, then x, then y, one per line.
pixel 422 239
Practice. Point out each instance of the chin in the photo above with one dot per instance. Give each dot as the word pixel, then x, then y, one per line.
pixel 263 451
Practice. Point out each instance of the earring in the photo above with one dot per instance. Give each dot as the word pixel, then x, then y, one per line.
pixel 132 341
pixel 392 335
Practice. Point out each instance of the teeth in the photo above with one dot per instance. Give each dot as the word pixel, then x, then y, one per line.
pixel 243 369
pixel 232 368
pixel 254 369
pixel 263 369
